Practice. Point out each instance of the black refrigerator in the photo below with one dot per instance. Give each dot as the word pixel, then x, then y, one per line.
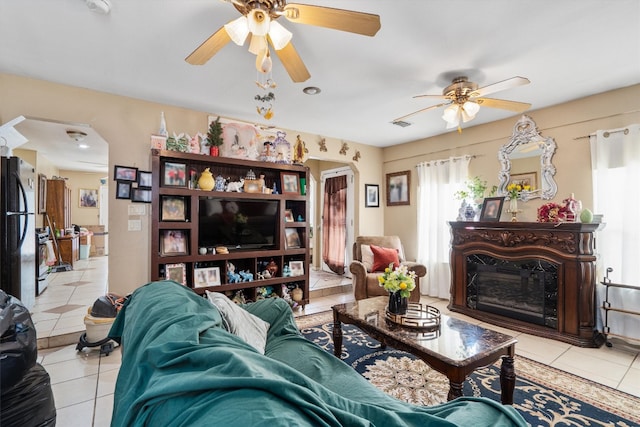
pixel 17 222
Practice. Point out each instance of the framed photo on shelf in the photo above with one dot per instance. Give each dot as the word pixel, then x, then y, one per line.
pixel 491 209
pixel 144 179
pixel 398 188
pixel 88 197
pixel 288 215
pixel 176 272
pixel 292 238
pixel 123 189
pixel 372 196
pixel 173 242
pixel 142 195
pixel 125 173
pixel 297 268
pixel 289 183
pixel 173 208
pixel 174 175
pixel 252 186
pixel 204 277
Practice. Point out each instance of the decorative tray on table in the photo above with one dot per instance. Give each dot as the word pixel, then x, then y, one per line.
pixel 418 316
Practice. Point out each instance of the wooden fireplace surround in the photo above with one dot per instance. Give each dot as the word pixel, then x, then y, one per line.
pixel 571 246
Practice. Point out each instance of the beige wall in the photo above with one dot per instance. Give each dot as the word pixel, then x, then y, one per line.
pixel 564 123
pixel 126 124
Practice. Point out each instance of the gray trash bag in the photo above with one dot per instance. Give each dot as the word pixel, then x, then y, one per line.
pixel 18 341
pixel 29 403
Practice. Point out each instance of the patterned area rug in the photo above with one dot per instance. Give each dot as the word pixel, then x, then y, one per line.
pixel 545 396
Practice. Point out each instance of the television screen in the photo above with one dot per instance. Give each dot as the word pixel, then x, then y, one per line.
pixel 237 223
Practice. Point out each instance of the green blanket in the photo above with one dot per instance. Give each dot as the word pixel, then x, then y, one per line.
pixel 180 367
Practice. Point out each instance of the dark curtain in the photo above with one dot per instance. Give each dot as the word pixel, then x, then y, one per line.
pixel 334 216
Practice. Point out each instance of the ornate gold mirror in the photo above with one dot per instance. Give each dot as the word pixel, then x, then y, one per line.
pixel 526 158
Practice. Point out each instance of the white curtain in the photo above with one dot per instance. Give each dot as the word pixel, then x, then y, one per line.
pixel 615 161
pixel 437 182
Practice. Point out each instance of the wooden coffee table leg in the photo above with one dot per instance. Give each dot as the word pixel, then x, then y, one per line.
pixel 455 390
pixel 337 336
pixel 507 380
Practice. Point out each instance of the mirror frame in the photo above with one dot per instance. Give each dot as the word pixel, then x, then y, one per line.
pixel 525 131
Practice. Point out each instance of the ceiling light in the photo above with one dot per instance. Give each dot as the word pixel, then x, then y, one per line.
pixel 238 30
pixel 471 108
pixel 76 135
pixel 258 44
pixel 311 90
pixel 83 146
pixel 258 21
pixel 279 35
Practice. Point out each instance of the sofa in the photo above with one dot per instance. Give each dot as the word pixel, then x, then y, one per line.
pixel 185 364
pixel 364 270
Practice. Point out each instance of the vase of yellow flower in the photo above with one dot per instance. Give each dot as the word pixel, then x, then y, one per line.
pixel 399 282
pixel 513 191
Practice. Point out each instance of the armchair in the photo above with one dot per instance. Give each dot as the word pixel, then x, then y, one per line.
pixel 365 282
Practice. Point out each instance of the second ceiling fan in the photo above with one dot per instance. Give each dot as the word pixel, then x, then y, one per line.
pixel 259 19
pixel 464 99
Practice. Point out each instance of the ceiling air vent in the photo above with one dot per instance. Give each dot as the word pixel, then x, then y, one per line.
pixel 401 123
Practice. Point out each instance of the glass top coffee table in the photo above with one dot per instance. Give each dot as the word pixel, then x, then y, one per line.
pixel 454 348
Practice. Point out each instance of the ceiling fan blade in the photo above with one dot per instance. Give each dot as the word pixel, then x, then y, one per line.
pixel 293 63
pixel 503 85
pixel 209 47
pixel 421 111
pixel 366 24
pixel 518 107
pixel 433 96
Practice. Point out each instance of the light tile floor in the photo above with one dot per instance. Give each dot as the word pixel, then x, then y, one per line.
pixel 83 382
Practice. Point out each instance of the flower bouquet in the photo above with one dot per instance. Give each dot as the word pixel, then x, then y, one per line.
pixel 399 280
pixel 514 189
pixel 552 212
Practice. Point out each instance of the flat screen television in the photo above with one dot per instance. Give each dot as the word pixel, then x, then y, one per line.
pixel 238 224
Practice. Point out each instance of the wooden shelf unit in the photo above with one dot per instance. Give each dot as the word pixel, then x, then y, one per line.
pixel 252 260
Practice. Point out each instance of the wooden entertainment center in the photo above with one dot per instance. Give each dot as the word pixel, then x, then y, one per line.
pixel 285 216
pixel 560 255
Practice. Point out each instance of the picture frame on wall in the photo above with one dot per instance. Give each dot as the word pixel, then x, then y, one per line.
pixel 398 188
pixel 174 243
pixel 173 208
pixel 123 189
pixel 144 179
pixel 176 272
pixel 292 238
pixel 174 174
pixel 141 195
pixel 491 209
pixel 205 277
pixel 372 196
pixel 125 173
pixel 290 184
pixel 88 197
pixel 42 193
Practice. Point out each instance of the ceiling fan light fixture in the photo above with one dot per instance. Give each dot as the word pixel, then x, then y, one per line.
pixel 471 108
pixel 279 35
pixel 450 114
pixel 238 30
pixel 258 21
pixel 258 44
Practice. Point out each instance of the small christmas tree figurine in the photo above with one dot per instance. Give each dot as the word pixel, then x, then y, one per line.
pixel 214 136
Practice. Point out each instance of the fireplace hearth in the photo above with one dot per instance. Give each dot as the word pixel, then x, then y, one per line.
pixel 537 278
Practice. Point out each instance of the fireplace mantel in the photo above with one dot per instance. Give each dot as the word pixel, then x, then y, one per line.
pixel 570 246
